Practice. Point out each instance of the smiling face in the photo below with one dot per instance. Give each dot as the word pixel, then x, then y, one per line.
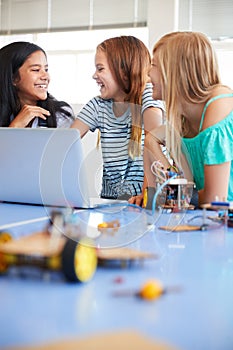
pixel 33 79
pixel 155 77
pixel 103 76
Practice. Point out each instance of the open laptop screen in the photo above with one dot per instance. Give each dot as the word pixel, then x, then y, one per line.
pixel 43 166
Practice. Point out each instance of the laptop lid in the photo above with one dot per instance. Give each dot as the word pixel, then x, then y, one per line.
pixel 43 166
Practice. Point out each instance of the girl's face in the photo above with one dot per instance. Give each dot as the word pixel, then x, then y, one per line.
pixel 33 81
pixel 109 88
pixel 155 79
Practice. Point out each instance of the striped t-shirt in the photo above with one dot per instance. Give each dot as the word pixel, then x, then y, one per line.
pixel 122 175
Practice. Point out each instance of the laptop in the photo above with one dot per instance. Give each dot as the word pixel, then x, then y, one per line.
pixel 43 166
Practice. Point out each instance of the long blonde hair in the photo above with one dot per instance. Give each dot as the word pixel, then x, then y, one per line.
pixel 129 61
pixel 189 72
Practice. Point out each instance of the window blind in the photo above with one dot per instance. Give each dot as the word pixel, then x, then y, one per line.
pixel 27 16
pixel 212 17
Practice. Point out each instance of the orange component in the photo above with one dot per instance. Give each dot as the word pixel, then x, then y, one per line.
pixel 151 290
pixel 110 226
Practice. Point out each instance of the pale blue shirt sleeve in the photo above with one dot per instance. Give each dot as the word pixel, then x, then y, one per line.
pixel 63 120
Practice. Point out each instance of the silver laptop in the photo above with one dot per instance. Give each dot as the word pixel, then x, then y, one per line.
pixel 43 166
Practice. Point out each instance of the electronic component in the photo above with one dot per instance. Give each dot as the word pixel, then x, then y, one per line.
pixel 171 191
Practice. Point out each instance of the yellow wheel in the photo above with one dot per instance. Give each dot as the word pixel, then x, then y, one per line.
pixel 5 237
pixel 79 261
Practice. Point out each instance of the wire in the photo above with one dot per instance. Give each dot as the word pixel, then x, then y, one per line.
pixel 114 205
pixel 157 170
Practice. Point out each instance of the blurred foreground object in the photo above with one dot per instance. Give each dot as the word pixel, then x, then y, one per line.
pixel 150 290
pixel 77 261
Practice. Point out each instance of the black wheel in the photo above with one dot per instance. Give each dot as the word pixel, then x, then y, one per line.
pixel 79 261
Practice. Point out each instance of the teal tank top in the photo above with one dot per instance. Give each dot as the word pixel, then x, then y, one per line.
pixel 214 145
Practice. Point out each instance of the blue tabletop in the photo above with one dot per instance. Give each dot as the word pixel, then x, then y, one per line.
pixel 38 307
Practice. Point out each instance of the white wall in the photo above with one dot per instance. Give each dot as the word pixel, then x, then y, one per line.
pixel 162 18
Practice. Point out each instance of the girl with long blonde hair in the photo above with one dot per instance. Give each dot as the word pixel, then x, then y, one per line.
pixel 199 114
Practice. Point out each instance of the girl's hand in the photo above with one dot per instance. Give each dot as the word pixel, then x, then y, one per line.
pixel 28 113
pixel 137 200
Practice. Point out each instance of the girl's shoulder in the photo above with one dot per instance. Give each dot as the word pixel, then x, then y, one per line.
pixel 219 93
pixel 97 103
pixel 101 101
pixel 220 90
pixel 218 106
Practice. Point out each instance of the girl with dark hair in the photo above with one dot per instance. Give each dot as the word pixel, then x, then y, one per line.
pixel 122 112
pixel 24 97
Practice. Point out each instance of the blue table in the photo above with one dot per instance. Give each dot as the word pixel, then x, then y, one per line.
pixel 37 308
